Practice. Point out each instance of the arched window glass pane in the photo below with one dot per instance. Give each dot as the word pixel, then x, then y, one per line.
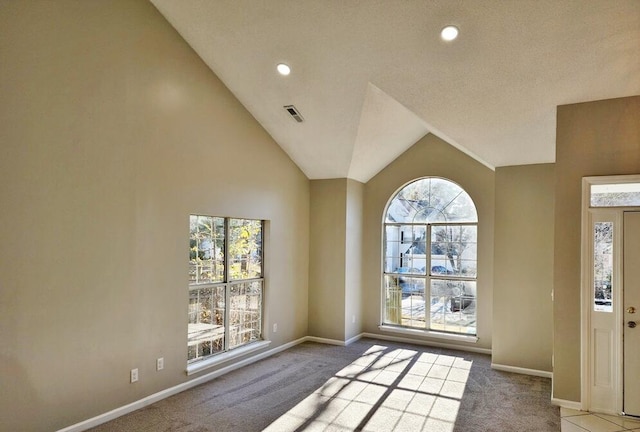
pixel 430 258
pixel 431 200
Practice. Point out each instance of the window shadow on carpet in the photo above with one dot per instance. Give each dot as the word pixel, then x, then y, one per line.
pixel 393 387
pixel 370 385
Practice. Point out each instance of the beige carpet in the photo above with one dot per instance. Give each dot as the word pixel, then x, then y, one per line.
pixel 371 385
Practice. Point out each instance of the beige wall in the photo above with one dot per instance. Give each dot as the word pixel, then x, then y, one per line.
pixel 335 269
pixel 353 260
pixel 112 132
pixel 328 224
pixel 429 157
pixel 594 138
pixel 523 272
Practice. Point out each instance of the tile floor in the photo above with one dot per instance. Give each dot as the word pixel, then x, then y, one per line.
pixel 581 421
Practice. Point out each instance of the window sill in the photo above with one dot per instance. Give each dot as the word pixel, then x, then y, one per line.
pixel 224 357
pixel 429 334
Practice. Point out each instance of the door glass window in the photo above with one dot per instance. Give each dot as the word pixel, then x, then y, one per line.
pixel 602 266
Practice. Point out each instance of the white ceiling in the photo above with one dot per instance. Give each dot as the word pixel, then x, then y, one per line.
pixel 372 77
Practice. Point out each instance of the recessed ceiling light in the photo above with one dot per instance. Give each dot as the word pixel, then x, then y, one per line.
pixel 283 69
pixel 449 33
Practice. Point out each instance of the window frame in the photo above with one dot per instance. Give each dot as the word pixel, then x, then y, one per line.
pixel 227 351
pixel 427 275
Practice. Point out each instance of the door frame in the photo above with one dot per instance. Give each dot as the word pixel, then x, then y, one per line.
pixel 589 215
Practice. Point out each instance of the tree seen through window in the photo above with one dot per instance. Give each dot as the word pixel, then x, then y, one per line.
pixel 225 284
pixel 430 258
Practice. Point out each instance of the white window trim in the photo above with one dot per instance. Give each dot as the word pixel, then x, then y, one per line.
pixel 428 333
pixel 217 359
pixel 193 366
pixel 392 328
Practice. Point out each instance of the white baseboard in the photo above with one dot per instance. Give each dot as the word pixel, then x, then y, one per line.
pixel 332 341
pixel 427 343
pixel 353 339
pixel 324 340
pixel 126 409
pixel 118 412
pixel 523 371
pixel 567 404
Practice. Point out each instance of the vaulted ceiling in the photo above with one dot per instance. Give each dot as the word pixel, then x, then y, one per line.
pixel 370 78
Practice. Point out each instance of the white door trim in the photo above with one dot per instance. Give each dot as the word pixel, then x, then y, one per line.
pixel 614 214
pixel 631 397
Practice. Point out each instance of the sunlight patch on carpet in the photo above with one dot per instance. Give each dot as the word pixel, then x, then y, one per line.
pixel 384 389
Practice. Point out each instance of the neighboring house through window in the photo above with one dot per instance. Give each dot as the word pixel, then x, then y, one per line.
pixel 225 284
pixel 430 258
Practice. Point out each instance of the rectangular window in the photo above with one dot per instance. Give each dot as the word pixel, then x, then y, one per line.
pixel 430 273
pixel 615 195
pixel 226 284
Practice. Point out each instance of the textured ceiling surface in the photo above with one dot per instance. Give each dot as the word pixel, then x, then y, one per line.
pixel 372 77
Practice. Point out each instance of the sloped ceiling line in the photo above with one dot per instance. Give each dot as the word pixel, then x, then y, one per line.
pixel 371 77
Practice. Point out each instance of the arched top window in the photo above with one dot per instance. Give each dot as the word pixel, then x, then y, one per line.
pixel 430 200
pixel 430 258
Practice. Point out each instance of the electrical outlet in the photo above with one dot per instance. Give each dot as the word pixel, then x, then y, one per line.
pixel 160 363
pixel 275 328
pixel 134 375
pixel 353 319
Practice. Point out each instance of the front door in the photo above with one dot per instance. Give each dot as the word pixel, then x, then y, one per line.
pixel 631 313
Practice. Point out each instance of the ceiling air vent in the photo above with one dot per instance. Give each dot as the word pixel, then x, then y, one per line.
pixel 293 111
